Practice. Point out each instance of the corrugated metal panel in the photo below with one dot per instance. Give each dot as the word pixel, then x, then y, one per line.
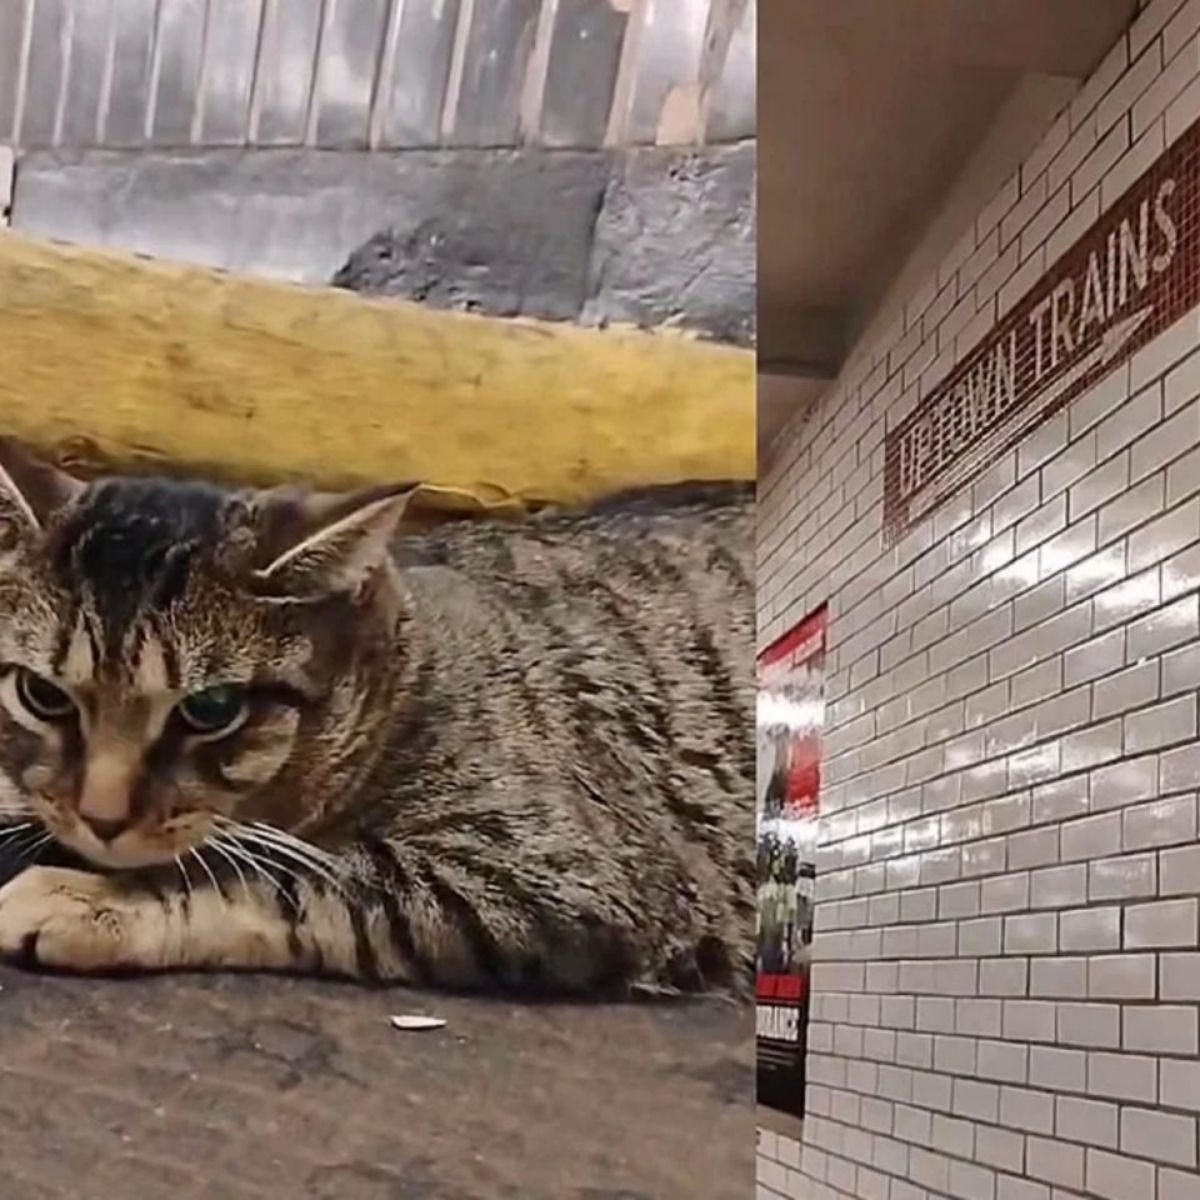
pixel 91 38
pixel 12 37
pixel 291 29
pixel 131 68
pixel 584 58
pixel 178 52
pixel 731 108
pixel 388 72
pixel 499 44
pixel 230 51
pixel 47 61
pixel 351 48
pixel 667 92
pixel 414 88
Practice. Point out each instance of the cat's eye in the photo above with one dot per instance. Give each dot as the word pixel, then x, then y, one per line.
pixel 214 710
pixel 43 699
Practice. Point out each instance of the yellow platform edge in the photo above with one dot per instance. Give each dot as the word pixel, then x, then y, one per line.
pixel 115 360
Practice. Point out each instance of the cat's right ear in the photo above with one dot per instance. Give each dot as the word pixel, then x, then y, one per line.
pixel 32 490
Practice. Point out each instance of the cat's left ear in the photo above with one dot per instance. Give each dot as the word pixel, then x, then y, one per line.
pixel 31 490
pixel 314 544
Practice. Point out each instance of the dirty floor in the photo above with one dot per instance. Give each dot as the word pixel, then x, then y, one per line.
pixel 243 1088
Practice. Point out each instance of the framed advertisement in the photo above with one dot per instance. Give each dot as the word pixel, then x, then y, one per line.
pixel 790 716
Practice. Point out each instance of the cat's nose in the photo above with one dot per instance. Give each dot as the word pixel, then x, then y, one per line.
pixel 106 829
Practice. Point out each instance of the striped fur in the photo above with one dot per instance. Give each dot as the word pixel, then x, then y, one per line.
pixel 509 757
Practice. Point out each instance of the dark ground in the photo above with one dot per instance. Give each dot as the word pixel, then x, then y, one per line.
pixel 231 1088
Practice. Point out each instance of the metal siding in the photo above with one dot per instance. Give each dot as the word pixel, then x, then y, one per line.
pixel 498 49
pixel 415 87
pixel 350 53
pixel 230 50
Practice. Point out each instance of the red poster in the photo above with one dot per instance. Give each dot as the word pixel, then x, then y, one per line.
pixel 791 713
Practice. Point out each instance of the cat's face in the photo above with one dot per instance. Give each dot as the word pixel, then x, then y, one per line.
pixel 174 658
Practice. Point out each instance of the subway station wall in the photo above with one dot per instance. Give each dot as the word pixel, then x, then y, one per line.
pixel 1000 502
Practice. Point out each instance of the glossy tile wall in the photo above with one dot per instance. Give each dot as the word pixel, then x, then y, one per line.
pixel 1006 972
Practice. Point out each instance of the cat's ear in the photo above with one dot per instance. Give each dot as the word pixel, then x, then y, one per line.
pixel 31 490
pixel 314 544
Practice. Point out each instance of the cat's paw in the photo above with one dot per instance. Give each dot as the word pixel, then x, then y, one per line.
pixel 69 920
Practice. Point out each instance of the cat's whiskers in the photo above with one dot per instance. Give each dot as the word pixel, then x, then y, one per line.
pixel 283 838
pixel 237 870
pixel 11 830
pixel 277 843
pixel 31 852
pixel 187 883
pixel 199 857
pixel 232 853
pixel 310 864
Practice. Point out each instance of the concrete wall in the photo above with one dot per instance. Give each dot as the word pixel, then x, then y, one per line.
pixel 1007 950
pixel 649 236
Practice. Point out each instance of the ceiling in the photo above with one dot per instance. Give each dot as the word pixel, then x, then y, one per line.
pixel 870 114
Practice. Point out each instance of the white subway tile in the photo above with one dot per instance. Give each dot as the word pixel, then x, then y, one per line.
pixel 1160 1136
pixel 1032 933
pixel 1123 1076
pixel 1093 929
pixel 1058 978
pixel 1132 508
pixel 1125 878
pixel 1180 1081
pixel 1115 1177
pixel 1101 160
pixel 1179 872
pixel 1167 627
pixel 1178 1185
pixel 1103 80
pixel 1164 724
pixel 1161 823
pixel 1091 838
pixel 1165 88
pixel 1136 687
pixel 1122 977
pixel 1093 1122
pixel 1057 1069
pixel 1125 782
pixel 1160 1029
pixel 1059 887
pixel 1093 1025
pixel 1165 536
pixel 1180 29
pixel 1179 977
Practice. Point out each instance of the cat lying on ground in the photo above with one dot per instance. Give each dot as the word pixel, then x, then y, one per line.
pixel 258 730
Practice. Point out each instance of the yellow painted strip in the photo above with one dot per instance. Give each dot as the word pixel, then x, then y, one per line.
pixel 160 365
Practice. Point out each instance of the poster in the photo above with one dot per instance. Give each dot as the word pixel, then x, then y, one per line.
pixel 790 715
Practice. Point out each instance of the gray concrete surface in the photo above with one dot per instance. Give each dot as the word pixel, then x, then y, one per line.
pixel 645 236
pixel 249 1088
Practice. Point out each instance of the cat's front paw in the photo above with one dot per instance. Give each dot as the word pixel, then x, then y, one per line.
pixel 71 920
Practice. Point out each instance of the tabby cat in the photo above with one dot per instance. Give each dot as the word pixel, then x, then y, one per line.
pixel 265 730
